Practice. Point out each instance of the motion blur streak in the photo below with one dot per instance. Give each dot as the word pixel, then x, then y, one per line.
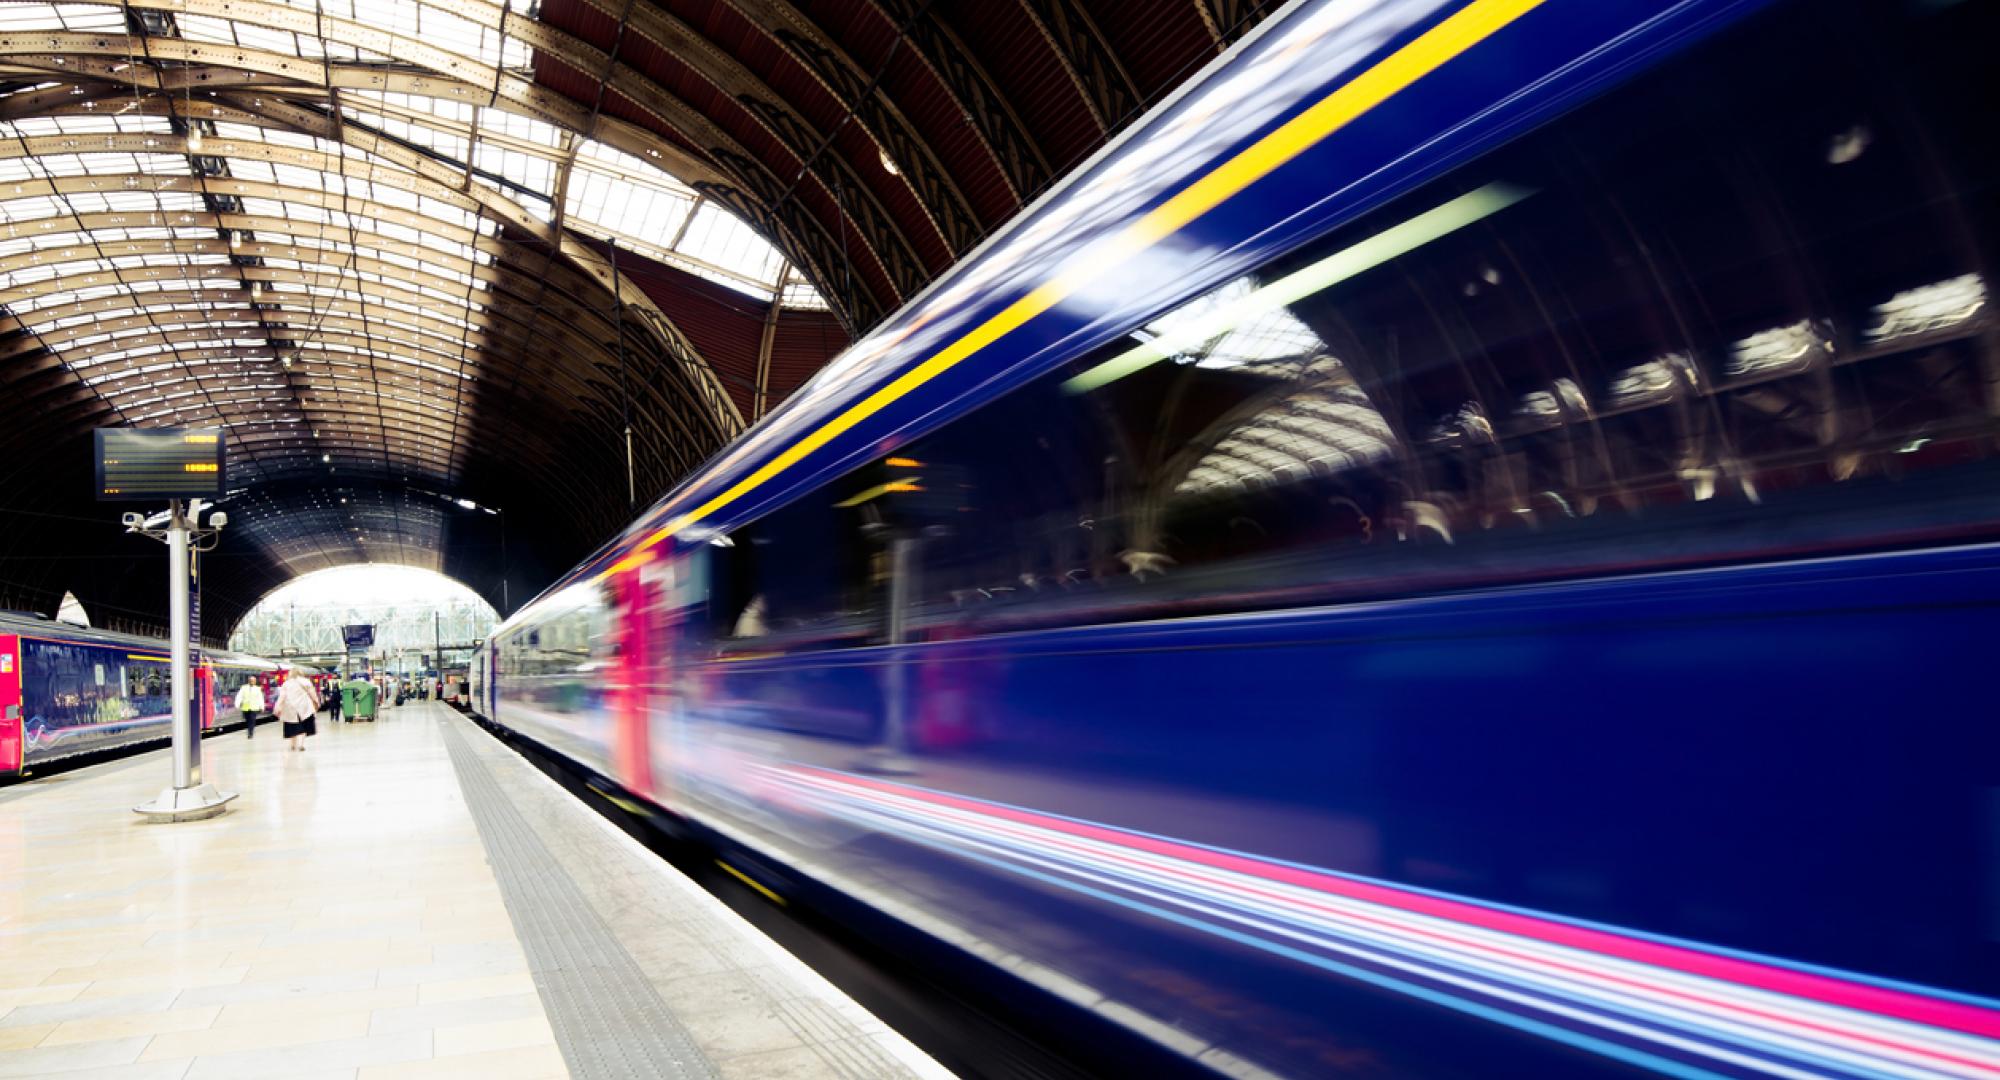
pixel 1631 991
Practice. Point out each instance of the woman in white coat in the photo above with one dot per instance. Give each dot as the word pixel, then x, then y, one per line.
pixel 298 703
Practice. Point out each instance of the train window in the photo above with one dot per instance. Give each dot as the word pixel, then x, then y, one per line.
pixel 1737 309
pixel 147 678
pixel 808 575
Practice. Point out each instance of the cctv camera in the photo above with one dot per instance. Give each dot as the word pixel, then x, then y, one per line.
pixel 134 521
pixel 218 520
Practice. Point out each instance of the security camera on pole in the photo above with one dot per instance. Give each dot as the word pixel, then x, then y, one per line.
pixel 178 464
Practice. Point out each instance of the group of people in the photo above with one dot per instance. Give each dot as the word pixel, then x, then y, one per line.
pixel 299 701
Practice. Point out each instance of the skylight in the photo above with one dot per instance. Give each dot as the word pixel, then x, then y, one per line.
pixel 302 240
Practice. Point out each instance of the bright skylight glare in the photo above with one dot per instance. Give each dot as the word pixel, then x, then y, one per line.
pixel 367 585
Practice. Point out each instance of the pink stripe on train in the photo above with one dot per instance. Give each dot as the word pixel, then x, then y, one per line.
pixel 1881 1000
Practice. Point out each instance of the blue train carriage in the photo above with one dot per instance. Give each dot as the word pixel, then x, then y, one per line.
pixel 1465 544
pixel 67 690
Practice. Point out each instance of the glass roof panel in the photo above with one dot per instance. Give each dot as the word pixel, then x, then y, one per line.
pixel 722 240
pixel 190 260
pixel 618 197
pixel 612 195
pixel 82 17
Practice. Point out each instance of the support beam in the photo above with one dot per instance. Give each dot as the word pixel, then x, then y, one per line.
pixel 1092 66
pixel 979 98
pixel 762 403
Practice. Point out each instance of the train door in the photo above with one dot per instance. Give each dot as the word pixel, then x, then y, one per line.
pixel 204 693
pixel 673 586
pixel 481 679
pixel 631 757
pixel 490 656
pixel 10 704
pixel 645 598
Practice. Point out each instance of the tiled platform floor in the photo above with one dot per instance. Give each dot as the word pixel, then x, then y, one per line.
pixel 343 921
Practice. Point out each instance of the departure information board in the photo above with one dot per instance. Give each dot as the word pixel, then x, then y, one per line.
pixel 159 463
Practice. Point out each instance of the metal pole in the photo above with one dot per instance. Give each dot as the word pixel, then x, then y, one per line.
pixel 507 606
pixel 187 768
pixel 891 755
pixel 190 797
pixel 624 387
pixel 902 586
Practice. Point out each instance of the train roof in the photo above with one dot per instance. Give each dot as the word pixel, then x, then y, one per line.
pixel 34 626
pixel 49 629
pixel 1396 93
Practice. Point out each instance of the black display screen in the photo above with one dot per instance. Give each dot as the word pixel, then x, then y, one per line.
pixel 159 463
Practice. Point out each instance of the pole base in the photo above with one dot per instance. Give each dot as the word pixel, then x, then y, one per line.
pixel 186 804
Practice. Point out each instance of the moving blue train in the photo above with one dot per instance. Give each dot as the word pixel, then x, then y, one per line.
pixel 71 690
pixel 1463 545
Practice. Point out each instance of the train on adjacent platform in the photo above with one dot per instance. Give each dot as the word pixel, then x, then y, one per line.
pixel 1466 543
pixel 71 690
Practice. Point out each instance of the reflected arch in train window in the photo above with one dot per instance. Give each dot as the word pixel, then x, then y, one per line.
pixel 1737 309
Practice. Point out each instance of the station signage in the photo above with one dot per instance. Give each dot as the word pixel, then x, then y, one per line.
pixel 359 638
pixel 159 463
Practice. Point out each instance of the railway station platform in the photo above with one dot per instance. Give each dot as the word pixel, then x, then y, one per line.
pixel 403 899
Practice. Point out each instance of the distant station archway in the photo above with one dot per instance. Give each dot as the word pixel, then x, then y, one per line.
pixel 415 616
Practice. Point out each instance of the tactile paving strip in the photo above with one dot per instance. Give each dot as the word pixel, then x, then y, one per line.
pixel 608 1019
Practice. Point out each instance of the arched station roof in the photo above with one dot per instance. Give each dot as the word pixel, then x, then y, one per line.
pixel 420 256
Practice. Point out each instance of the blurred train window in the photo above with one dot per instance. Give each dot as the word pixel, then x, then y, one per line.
pixel 806 576
pixel 554 666
pixel 1738 309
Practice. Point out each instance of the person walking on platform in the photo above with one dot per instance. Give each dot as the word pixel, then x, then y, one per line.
pixel 250 699
pixel 298 704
